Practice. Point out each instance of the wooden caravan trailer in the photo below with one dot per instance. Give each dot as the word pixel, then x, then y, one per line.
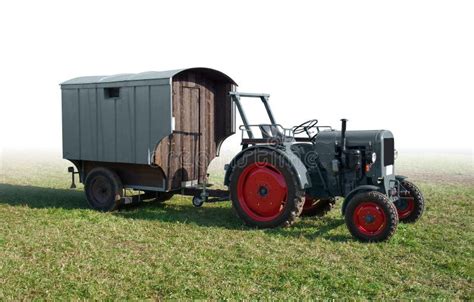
pixel 152 131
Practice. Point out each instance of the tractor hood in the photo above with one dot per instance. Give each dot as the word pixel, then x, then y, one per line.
pixel 379 141
pixel 355 138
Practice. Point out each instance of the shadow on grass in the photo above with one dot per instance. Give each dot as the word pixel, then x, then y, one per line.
pixel 169 212
pixel 39 197
pixel 223 217
pixel 307 229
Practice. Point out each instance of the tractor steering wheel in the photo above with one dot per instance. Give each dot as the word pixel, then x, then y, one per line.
pixel 305 127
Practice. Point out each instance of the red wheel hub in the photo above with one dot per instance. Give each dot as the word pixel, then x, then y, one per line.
pixel 369 218
pixel 262 191
pixel 405 206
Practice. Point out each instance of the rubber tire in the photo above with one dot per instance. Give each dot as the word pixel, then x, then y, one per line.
pixel 197 201
pixel 321 208
pixel 115 198
pixel 419 202
pixel 295 199
pixel 388 207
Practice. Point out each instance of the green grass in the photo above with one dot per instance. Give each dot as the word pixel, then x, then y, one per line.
pixel 53 247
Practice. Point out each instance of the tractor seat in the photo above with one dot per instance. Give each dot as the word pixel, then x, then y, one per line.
pixel 270 131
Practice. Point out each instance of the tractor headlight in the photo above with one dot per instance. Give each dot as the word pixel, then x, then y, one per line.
pixel 373 157
pixel 395 154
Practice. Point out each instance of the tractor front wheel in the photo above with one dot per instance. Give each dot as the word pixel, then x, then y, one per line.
pixel 264 190
pixel 371 217
pixel 411 204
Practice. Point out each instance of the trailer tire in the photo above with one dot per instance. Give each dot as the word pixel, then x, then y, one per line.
pixel 411 209
pixel 264 190
pixel 103 189
pixel 371 217
pixel 317 207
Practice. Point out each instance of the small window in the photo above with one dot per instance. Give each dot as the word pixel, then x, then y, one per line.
pixel 112 92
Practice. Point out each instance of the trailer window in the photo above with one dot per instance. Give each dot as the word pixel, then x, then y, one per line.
pixel 112 92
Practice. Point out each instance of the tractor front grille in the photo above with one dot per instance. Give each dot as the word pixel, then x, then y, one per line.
pixel 388 151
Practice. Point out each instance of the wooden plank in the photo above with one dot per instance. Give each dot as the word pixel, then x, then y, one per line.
pixel 190 132
pixel 174 173
pixel 196 132
pixel 202 155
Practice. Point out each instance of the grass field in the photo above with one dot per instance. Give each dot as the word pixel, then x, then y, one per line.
pixel 53 247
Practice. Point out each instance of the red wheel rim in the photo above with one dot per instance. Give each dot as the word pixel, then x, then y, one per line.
pixel 369 218
pixel 262 191
pixel 405 206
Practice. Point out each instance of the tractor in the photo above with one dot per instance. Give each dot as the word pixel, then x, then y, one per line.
pixel 282 173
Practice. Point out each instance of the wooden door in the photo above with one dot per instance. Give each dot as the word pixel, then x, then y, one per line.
pixel 190 133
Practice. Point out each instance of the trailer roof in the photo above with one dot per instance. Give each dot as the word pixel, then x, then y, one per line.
pixel 149 75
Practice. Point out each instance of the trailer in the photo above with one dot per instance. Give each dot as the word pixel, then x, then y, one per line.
pixel 155 132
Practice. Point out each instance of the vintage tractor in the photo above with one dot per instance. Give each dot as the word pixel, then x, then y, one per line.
pixel 282 173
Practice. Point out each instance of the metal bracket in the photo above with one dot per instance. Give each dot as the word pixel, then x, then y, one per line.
pixel 263 97
pixel 71 170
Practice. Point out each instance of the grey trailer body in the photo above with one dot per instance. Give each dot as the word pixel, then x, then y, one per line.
pixel 117 118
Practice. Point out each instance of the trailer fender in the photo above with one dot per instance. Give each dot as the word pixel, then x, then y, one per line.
pixel 363 188
pixel 299 168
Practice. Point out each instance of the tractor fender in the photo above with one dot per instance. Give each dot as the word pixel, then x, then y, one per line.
pixel 363 188
pixel 400 177
pixel 299 168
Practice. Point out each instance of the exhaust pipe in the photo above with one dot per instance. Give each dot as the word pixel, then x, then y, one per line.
pixel 343 135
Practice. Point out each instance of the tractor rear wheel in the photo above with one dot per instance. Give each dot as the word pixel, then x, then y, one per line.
pixel 411 204
pixel 371 217
pixel 317 207
pixel 264 190
pixel 103 189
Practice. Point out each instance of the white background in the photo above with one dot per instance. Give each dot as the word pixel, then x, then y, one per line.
pixel 406 66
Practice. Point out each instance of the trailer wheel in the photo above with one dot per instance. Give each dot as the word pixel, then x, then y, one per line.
pixel 317 207
pixel 411 204
pixel 264 190
pixel 198 201
pixel 103 189
pixel 371 217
